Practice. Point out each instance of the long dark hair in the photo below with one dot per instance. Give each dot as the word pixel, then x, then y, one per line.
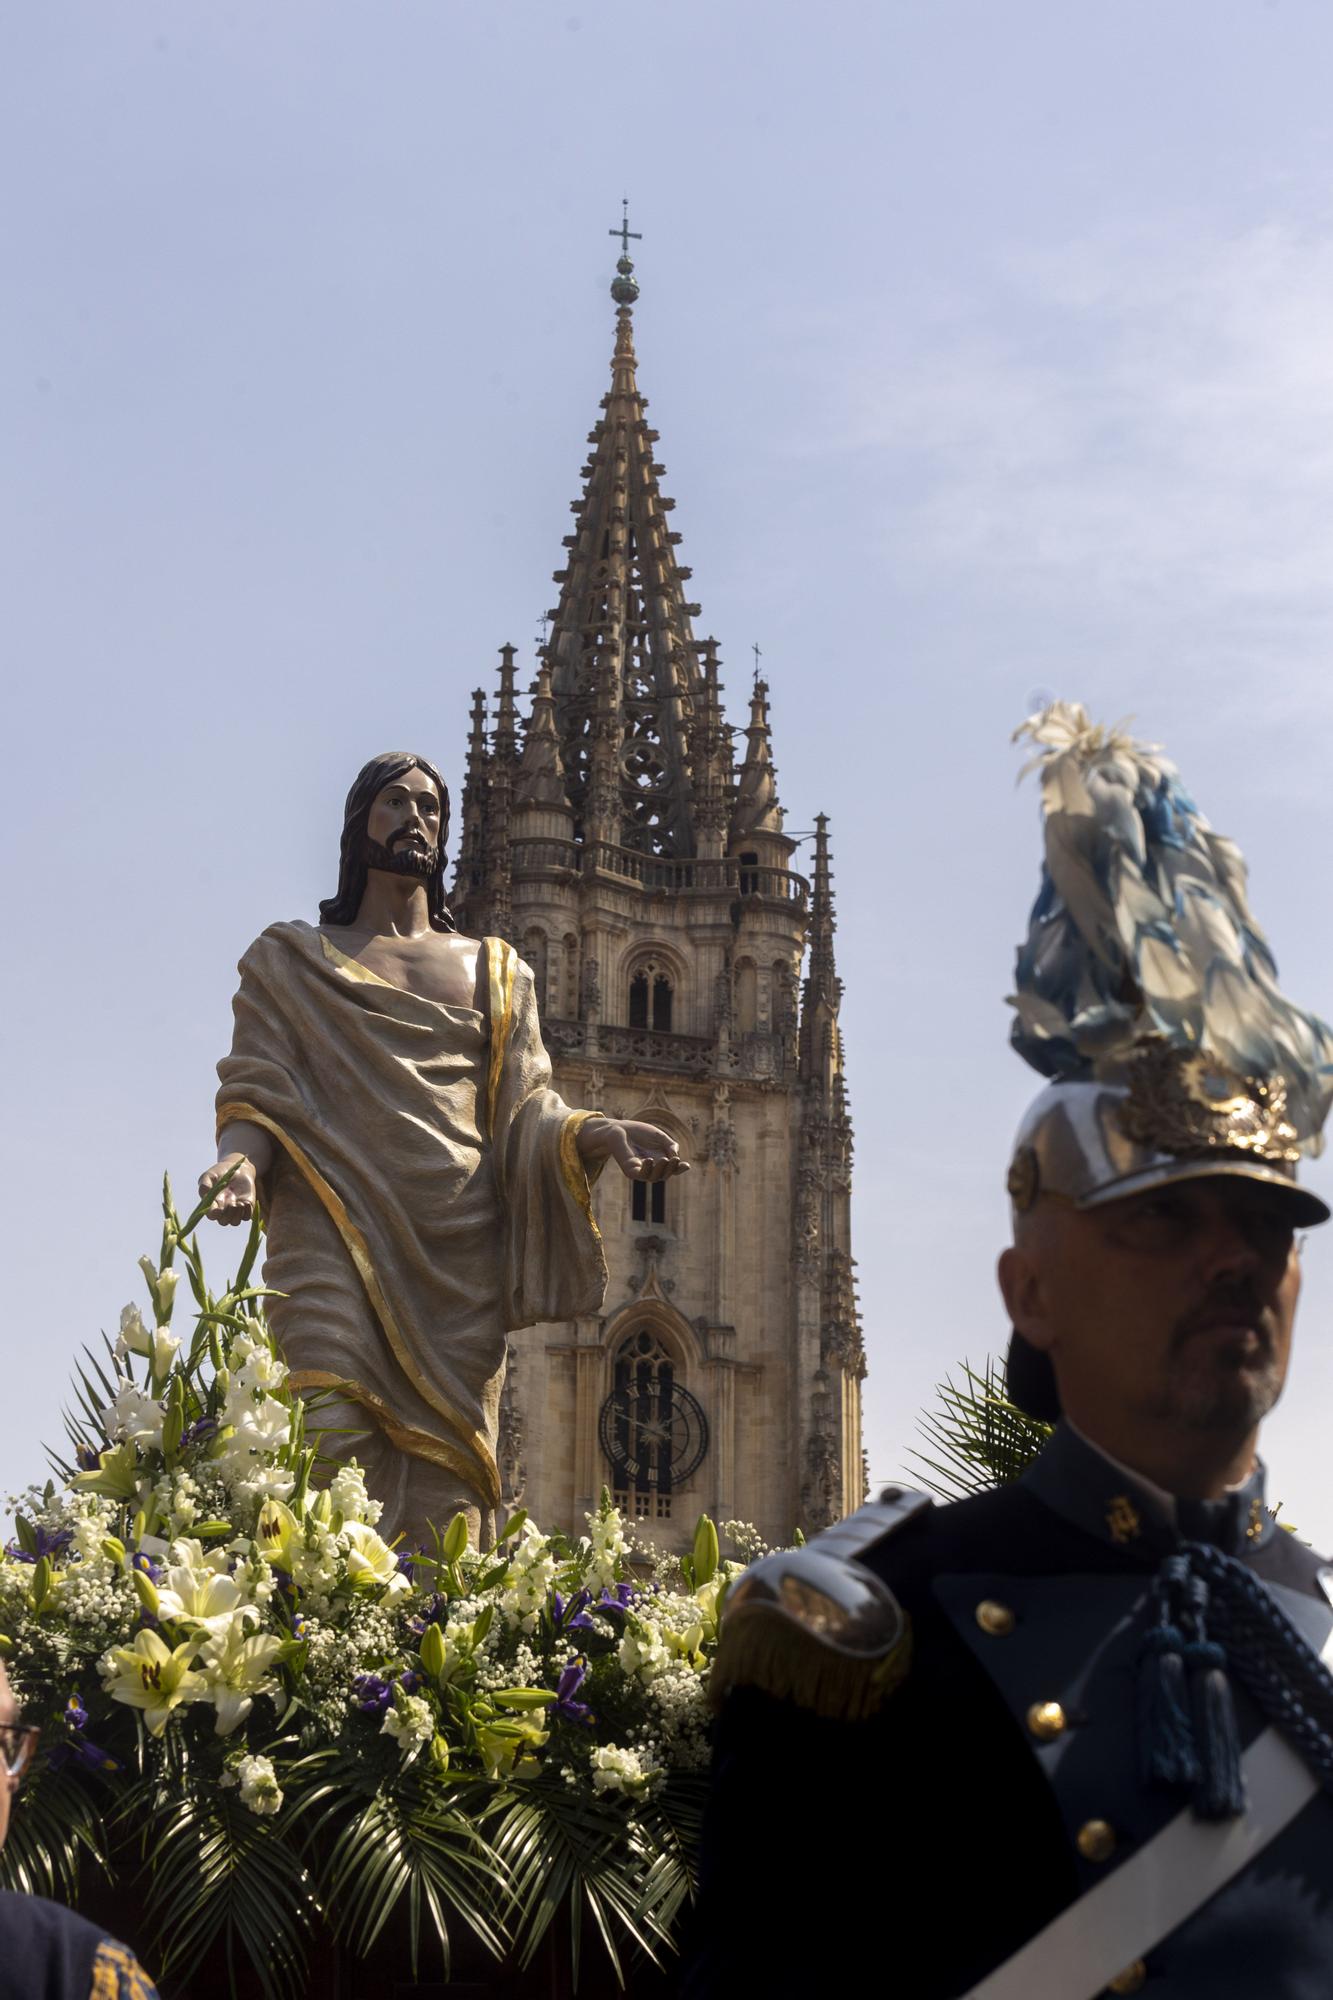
pixel 341 908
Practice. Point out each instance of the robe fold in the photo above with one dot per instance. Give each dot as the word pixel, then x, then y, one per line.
pixel 426 1198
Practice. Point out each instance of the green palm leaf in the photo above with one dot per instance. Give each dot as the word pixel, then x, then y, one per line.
pixel 223 1880
pixel 562 1847
pixel 977 1438
pixel 54 1824
pixel 413 1837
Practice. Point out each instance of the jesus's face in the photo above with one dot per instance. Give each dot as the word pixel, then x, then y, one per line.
pixel 403 830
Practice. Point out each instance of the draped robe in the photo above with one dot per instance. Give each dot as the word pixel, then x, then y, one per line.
pixel 426 1198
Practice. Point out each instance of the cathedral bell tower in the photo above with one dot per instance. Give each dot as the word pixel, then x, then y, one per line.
pixel 646 877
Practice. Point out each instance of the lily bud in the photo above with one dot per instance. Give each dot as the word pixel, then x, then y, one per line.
pixel 432 1651
pixel 146 1590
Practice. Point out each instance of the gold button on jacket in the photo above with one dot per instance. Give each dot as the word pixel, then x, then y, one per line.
pixel 1096 1840
pixel 1046 1720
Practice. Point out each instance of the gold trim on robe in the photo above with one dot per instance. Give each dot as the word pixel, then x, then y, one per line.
pixel 354 1242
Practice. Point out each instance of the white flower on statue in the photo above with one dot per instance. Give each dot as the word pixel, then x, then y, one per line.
pixel 134 1416
pixel 260 1790
pixel 411 1722
pixel 347 1491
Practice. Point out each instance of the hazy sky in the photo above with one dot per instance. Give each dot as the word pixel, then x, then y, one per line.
pixel 991 346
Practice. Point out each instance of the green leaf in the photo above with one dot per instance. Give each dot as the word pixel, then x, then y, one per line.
pixel 54 1824
pixel 26 1534
pixel 512 1525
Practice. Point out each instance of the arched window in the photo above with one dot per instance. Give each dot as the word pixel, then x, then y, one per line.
pixel 749 874
pixel 650 1000
pixel 652 1429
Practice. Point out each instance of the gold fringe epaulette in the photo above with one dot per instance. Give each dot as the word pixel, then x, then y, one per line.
pixel 815 1626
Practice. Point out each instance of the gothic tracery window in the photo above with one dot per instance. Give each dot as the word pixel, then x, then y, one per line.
pixel 650 1000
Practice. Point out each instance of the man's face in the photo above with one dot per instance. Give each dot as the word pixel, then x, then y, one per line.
pixel 403 830
pixel 1173 1307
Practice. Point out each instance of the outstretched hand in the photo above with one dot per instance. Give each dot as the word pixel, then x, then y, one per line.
pixel 642 1152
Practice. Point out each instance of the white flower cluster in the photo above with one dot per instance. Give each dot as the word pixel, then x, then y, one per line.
pixel 532 1572
pixel 411 1722
pixel 609 1547
pixel 617 1770
pixel 256 1422
pixel 260 1790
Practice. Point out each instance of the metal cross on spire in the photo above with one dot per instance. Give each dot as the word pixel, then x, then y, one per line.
pixel 755 650
pixel 625 232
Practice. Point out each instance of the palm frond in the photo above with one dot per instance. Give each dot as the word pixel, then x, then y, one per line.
pixel 673 1828
pixel 223 1881
pixel 563 1847
pixel 977 1438
pixel 416 1838
pixel 54 1825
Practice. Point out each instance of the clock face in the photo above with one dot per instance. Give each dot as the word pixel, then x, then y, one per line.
pixel 653 1431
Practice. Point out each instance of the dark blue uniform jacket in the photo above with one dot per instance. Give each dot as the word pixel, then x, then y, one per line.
pixel 911 1853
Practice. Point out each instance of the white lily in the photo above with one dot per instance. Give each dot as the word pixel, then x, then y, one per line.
pixel 152 1676
pixel 371 1563
pixel 193 1593
pixel 134 1335
pixel 237 1666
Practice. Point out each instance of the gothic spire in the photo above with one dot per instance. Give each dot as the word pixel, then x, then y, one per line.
pixel 624 673
pixel 820 1041
pixel 541 775
pixel 757 809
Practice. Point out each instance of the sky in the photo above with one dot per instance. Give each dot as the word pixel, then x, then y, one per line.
pixel 990 351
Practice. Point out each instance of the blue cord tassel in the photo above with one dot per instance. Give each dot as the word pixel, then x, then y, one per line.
pixel 1220 1790
pixel 1167 1754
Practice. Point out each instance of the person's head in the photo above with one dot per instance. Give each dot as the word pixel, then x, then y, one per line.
pixel 1164 1314
pixel 396 819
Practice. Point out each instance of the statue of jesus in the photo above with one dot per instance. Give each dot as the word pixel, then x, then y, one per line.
pixel 387 1102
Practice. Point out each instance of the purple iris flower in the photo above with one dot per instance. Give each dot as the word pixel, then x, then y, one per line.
pixel 430 1611
pixel 49 1543
pixel 372 1694
pixel 568 1685
pixel 78 1750
pixel 617 1597
pixel 202 1427
pixel 571 1614
pixel 76 1715
pixel 145 1564
pixel 87 1457
pixel 409 1681
pixel 406 1558
pixel 299 1623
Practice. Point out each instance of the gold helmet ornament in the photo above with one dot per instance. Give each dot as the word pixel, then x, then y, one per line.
pixel 1148 996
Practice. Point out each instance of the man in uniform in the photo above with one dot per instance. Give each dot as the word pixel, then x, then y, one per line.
pixel 1074 1735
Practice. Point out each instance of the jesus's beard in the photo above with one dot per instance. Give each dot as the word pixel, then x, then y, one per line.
pixel 402 860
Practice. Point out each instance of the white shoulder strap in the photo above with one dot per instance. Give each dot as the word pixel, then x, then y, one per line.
pixel 1152 1894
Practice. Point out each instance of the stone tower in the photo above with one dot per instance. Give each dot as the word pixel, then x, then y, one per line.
pixel 648 881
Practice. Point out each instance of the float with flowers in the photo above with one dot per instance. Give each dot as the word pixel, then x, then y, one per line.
pixel 264 1728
